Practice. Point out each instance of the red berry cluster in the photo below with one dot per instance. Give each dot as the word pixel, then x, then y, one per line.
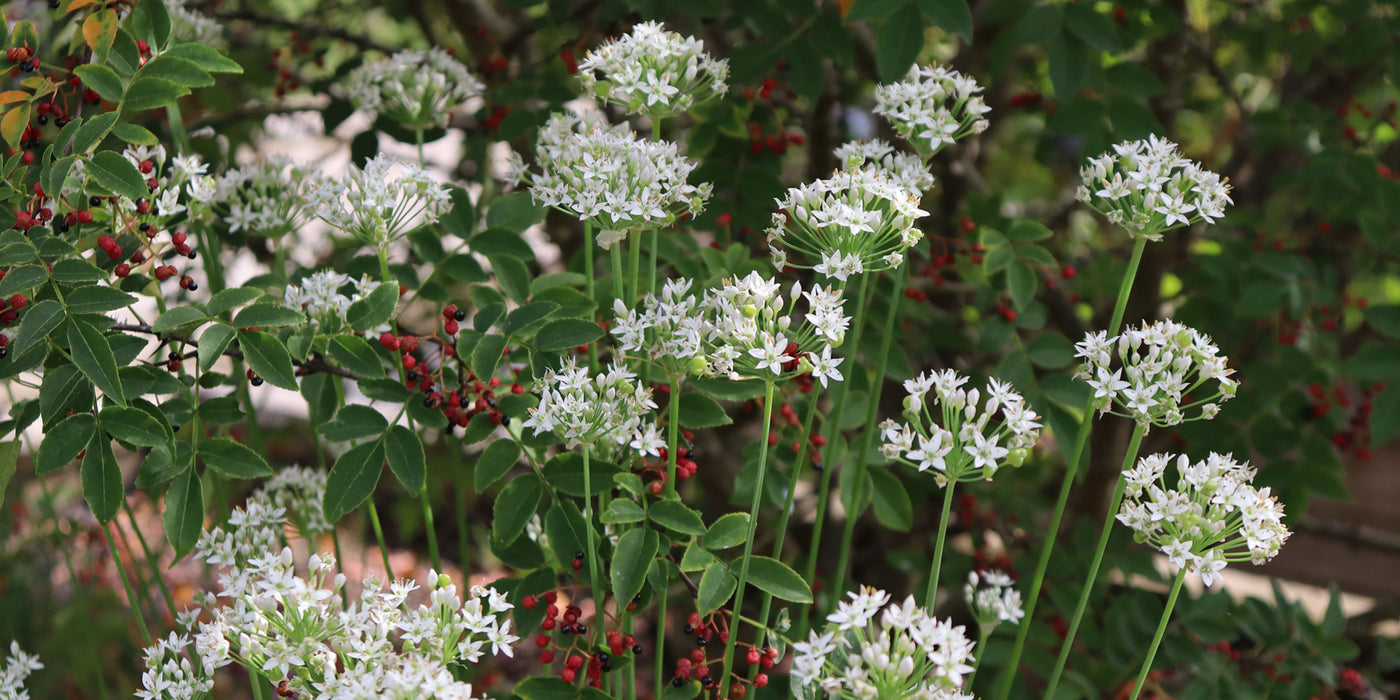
pixel 777 142
pixel 1354 113
pixel 566 635
pixel 697 665
pixel 9 313
pixel 1356 418
pixel 282 63
pixel 685 465
pixel 473 396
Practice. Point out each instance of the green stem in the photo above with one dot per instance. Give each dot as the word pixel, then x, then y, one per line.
pixel 126 583
pixel 618 290
pixel 588 274
pixel 418 137
pixel 384 264
pixel 379 535
pixel 767 417
pixel 151 560
pixel 255 679
pixel 1066 484
pixel 983 631
pixel 634 268
pixel 463 545
pixel 1093 572
pixel 429 528
pixel 868 433
pixel 593 550
pixel 1157 638
pixel 651 278
pixel 673 429
pixel 786 514
pixel 660 658
pixel 833 432
pixel 932 596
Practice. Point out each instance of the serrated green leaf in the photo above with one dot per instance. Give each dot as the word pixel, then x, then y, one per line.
pixel 1050 350
pixel 92 354
pixel 514 212
pixel 177 70
pixel 204 56
pixel 1385 415
pixel 354 422
pixel 114 173
pixel 952 16
pixel 1094 27
pixel 134 426
pixel 494 462
pixel 404 450
pixel 36 325
pixel 778 579
pixel 92 132
pixel 513 276
pixel 146 93
pixel 514 507
pixel 700 411
pixel 675 515
pixel 184 513
pixel 1021 282
pixel 232 459
pixel 98 298
pixel 102 79
pixel 566 333
pixel 621 511
pixel 527 315
pixel 486 356
pixel 357 355
pixel 176 317
pixel 63 442
pixel 229 299
pixel 268 315
pixel 717 586
pixel 268 357
pixel 154 21
pixel 22 279
pixel 631 557
pixel 352 479
pixel 102 479
pixel 729 531
pixel 898 43
pixel 374 310
pixel 212 343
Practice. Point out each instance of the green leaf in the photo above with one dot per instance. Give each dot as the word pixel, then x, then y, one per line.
pixel 1021 282
pixel 1385 415
pixel 212 343
pixel 154 21
pixel 729 531
pixel 514 212
pixel 356 354
pixel 102 479
pixel 1374 362
pixel 76 271
pixel 9 462
pixel 1134 80
pixel 717 586
pixel 1025 230
pixel 898 43
pixel 374 310
pixel 997 259
pixel 1384 320
pixel 952 16
pixel 268 315
pixel 232 459
pixel 204 56
pixel 460 220
pixel 567 531
pixel 633 554
pixel 776 578
pixel 13 123
pixel 1069 62
pixel 269 358
pixel 514 507
pixel 102 79
pixel 494 462
pixel 566 333
pixel 513 276
pixel 92 132
pixel 99 29
pixel 176 317
pixel 463 269
pixel 727 390
pixel 38 322
pixel 486 356
pixel 527 315
pixel 1050 350
pixel 177 70
pixel 543 688
pixel 404 449
pixel 862 10
pixel 565 473
pixel 354 422
pixel 184 512
pixel 63 442
pixel 675 515
pixel 1094 27
pixel 98 298
pixel 116 174
pixel 57 173
pixel 352 479
pixel 232 298
pixel 621 511
pixel 890 500
pixel 152 93
pixel 92 354
pixel 134 426
pixel 22 279
pixel 700 411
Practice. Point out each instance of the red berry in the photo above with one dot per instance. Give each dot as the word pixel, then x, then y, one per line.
pixel 123 270
pixel 19 301
pixel 655 487
pixel 967 224
pixel 568 675
pixel 723 220
pixel 450 326
pixel 542 641
pixel 84 216
pixel 409 362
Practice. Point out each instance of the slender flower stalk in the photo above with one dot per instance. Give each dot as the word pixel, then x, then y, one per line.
pixel 748 541
pixel 1157 637
pixel 791 491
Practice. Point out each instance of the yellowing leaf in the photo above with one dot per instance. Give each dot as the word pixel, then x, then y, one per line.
pixel 13 123
pixel 9 96
pixel 100 30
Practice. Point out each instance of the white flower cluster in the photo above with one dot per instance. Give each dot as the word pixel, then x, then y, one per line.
pixel 742 328
pixel 16 669
pixel 299 491
pixel 607 176
pixel 418 89
pixel 654 72
pixel 169 675
pixel 322 296
pixel 1148 188
pixel 933 107
pixel 605 408
pixel 375 208
pixel 1214 516
pixel 954 436
pixel 1159 365
pixel 993 598
pixel 905 169
pixel 908 654
pixel 268 198
pixel 191 25
pixel 858 220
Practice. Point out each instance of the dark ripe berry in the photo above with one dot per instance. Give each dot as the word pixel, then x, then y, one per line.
pixel 256 381
pixel 578 555
pixel 459 316
pixel 192 286
pixel 54 4
pixel 143 227
pixel 678 681
pixel 42 119
pixel 566 628
pixel 94 201
pixel 637 649
pixel 412 376
pixel 581 628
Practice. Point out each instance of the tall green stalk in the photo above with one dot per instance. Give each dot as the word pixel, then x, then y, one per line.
pixel 429 529
pixel 786 515
pixel 1157 638
pixel 588 275
pixel 833 432
pixel 1093 573
pixel 593 551
pixel 931 596
pixel 728 667
pixel 1071 469
pixel 379 536
pixel 673 428
pixel 872 415
pixel 659 674
pixel 126 583
pixel 150 560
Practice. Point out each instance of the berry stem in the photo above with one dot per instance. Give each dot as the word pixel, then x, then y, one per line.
pixel 1092 575
pixel 1157 638
pixel 1071 468
pixel 767 413
pixel 931 597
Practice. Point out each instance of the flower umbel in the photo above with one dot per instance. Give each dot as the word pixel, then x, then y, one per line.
pixel 586 409
pixel 1159 366
pixel 653 72
pixel 993 598
pixel 417 89
pixel 377 209
pixel 1148 188
pixel 323 296
pixel 1214 515
pixel 933 107
pixel 16 669
pixel 855 221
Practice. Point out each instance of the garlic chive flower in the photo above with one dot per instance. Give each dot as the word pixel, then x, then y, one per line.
pixel 993 598
pixel 907 654
pixel 605 409
pixel 605 175
pixel 932 107
pixel 377 209
pixel 16 669
pixel 653 72
pixel 1148 188
pixel 1213 517
pixel 905 169
pixel 326 296
pixel 1158 367
pixel 855 221
pixel 417 89
pixel 953 434
pixel 268 198
pixel 169 673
